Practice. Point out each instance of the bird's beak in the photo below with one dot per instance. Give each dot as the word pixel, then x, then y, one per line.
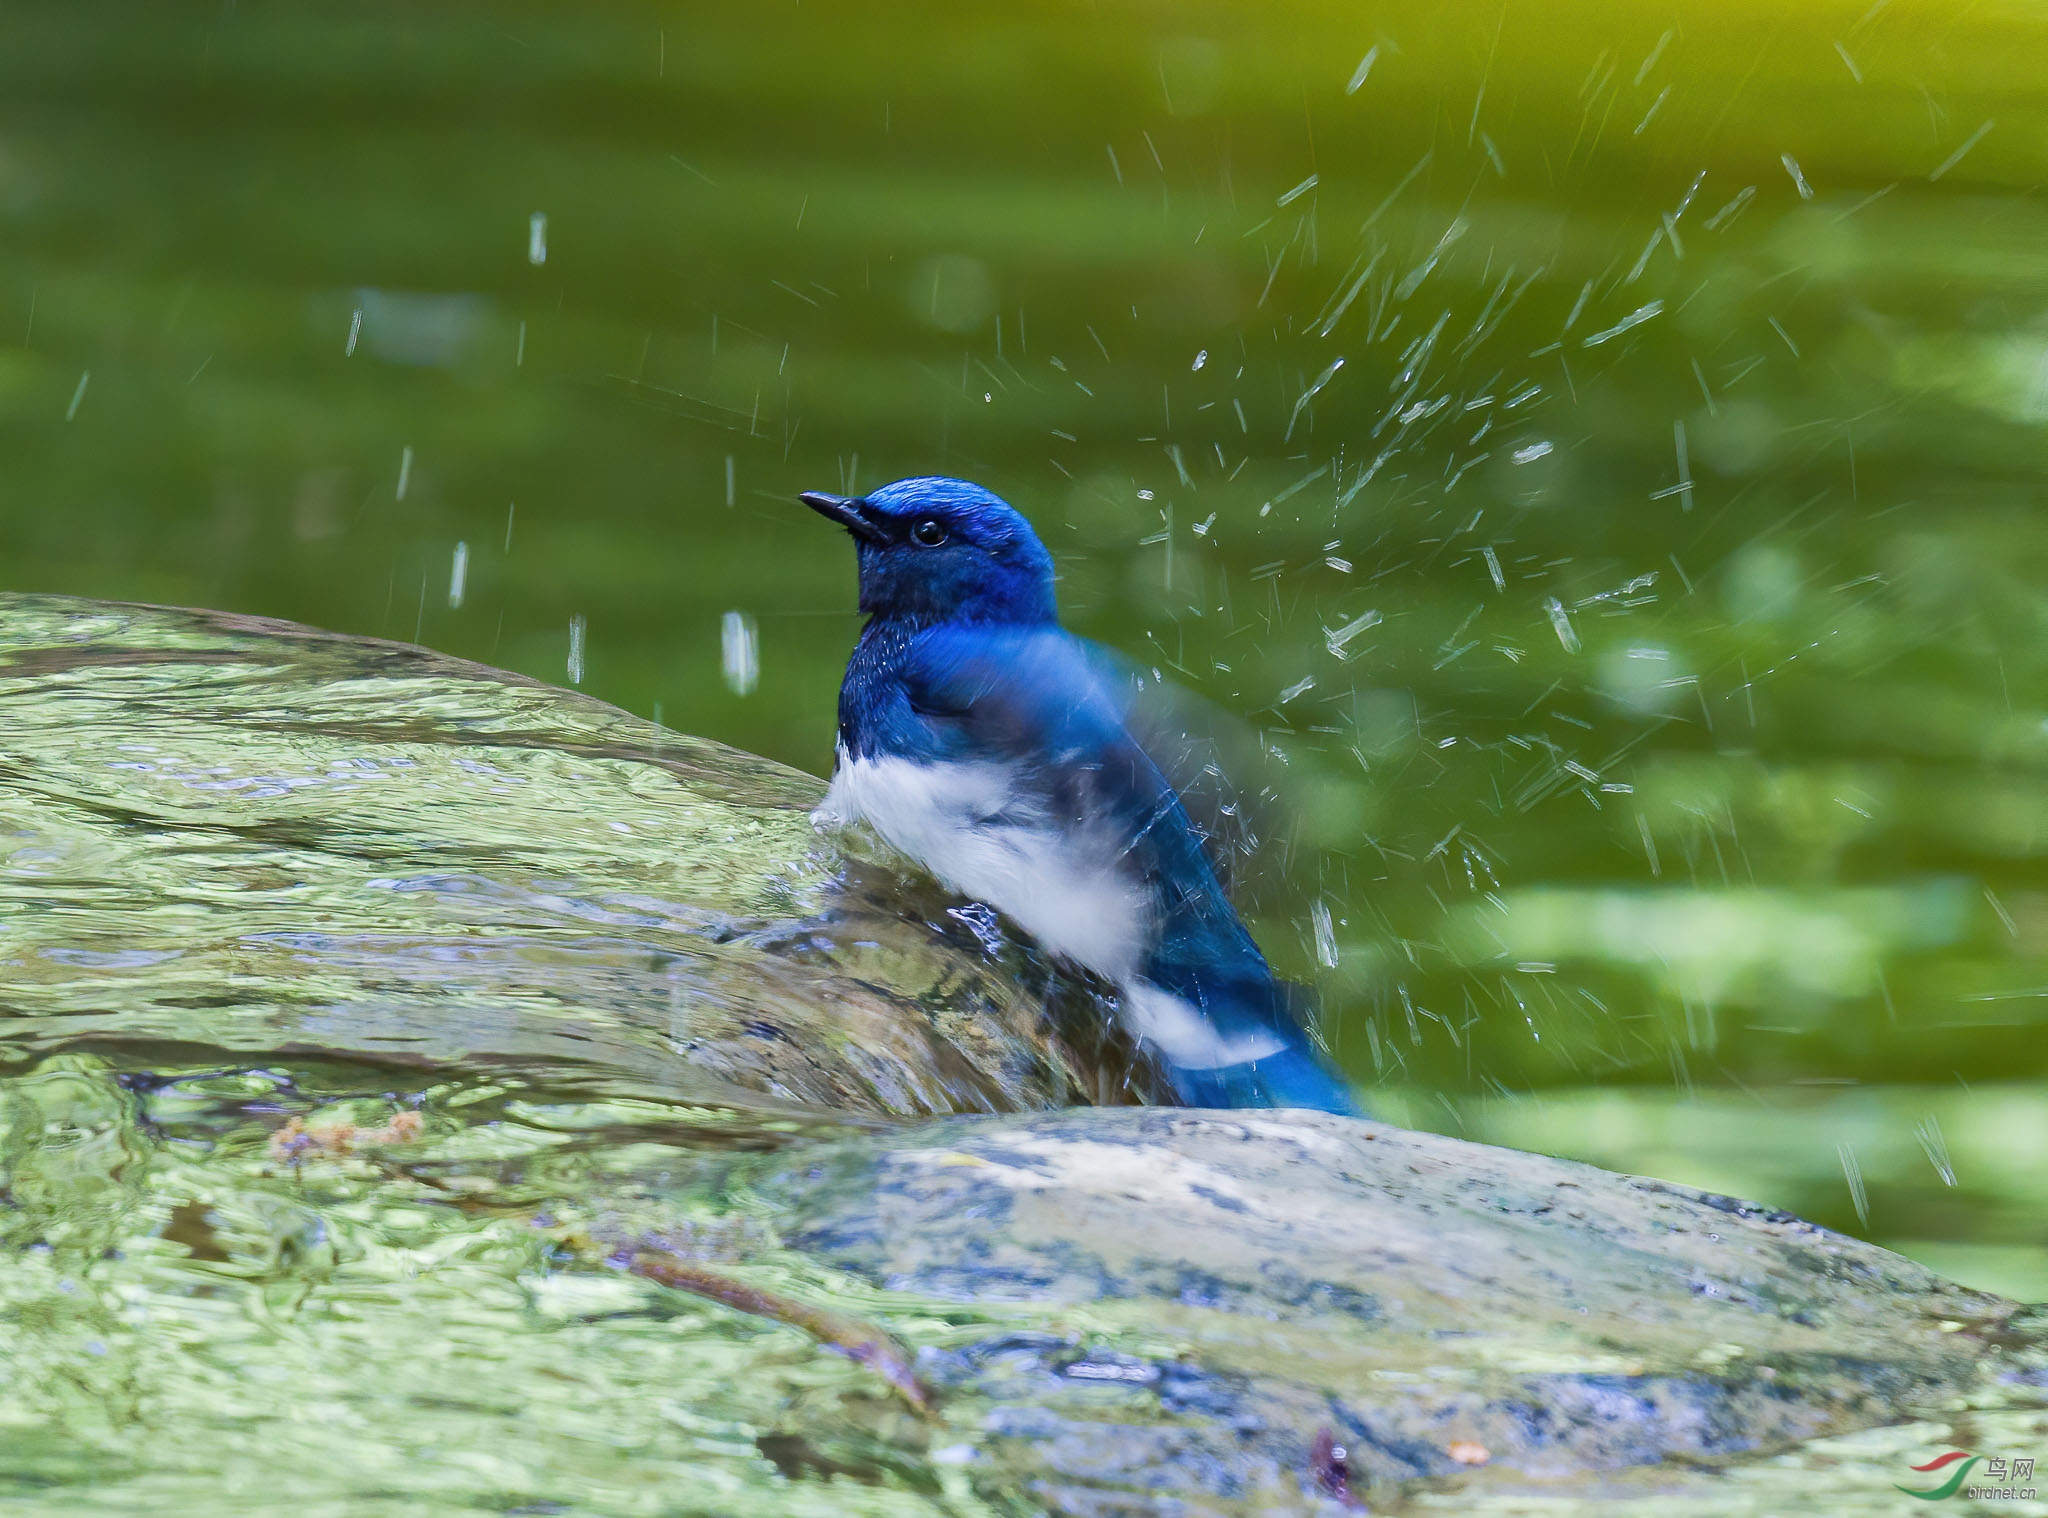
pixel 847 512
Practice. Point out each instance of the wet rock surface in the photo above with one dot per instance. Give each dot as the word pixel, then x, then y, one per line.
pixel 226 833
pixel 422 1090
pixel 1426 1303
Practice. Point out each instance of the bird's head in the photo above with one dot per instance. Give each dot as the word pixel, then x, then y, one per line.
pixel 941 550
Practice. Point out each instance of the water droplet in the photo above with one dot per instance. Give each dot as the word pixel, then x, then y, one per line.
pixel 739 642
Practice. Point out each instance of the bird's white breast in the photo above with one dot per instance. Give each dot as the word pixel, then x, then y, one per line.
pixel 980 832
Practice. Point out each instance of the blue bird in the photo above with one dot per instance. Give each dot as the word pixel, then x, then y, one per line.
pixel 989 745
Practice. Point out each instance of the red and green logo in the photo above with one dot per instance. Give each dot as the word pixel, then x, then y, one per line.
pixel 1963 1461
pixel 2004 1477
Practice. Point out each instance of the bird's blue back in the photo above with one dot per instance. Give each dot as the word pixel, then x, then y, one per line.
pixel 963 664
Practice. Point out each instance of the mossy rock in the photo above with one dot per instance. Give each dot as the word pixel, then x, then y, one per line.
pixel 1457 1318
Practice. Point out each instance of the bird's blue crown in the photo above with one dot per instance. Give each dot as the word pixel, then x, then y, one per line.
pixel 938 550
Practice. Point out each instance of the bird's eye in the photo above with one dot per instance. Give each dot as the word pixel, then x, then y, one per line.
pixel 928 533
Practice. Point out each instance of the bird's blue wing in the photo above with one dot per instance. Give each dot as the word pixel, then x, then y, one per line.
pixel 1049 704
pixel 1235 787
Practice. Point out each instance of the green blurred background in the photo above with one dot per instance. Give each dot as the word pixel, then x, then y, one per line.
pixel 1599 447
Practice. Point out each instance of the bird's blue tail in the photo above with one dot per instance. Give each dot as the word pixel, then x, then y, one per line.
pixel 1292 1078
pixel 1297 1075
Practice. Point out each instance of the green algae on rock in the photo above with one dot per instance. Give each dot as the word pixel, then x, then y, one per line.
pixel 1107 1311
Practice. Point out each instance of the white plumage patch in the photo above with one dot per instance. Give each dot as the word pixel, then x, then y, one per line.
pixel 978 832
pixel 1177 1028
